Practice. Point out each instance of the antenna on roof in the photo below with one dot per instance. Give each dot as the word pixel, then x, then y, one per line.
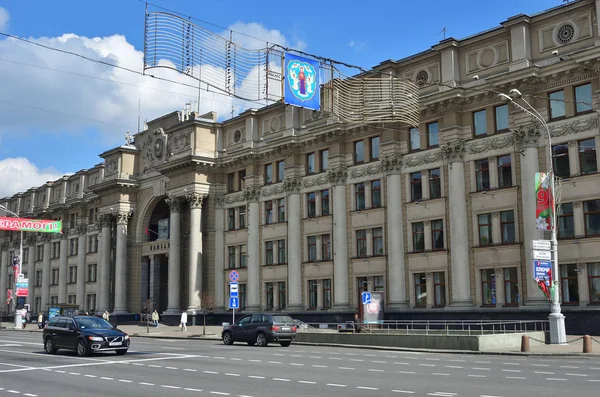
pixel 444 31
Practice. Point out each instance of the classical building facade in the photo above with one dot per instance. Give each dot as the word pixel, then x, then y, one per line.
pixel 312 211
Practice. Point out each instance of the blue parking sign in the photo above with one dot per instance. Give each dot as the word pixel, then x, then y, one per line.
pixel 366 298
pixel 234 303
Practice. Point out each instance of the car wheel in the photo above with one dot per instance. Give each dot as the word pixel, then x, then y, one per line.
pixel 49 346
pixel 227 338
pixel 251 343
pixel 285 344
pixel 82 349
pixel 121 352
pixel 261 340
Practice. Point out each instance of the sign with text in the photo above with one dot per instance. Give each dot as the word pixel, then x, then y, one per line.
pixel 542 271
pixel 543 255
pixel 543 245
pixel 233 290
pixel 30 225
pixel 22 286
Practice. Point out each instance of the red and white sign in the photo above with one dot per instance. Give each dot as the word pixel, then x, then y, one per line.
pixel 234 276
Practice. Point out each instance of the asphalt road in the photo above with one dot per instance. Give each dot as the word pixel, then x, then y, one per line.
pixel 208 368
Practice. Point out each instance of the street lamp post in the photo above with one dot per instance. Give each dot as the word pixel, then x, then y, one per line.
pixel 6 210
pixel 556 318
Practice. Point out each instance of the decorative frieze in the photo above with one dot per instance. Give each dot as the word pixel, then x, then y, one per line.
pixel 292 185
pixel 252 193
pixel 319 180
pixel 338 175
pixel 454 151
pixel 93 228
pixel 423 159
pixel 196 199
pixel 493 143
pixel 575 127
pixel 368 169
pixel 272 190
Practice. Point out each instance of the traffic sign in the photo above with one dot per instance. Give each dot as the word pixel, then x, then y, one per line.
pixel 233 290
pixel 543 255
pixel 234 303
pixel 234 276
pixel 543 245
pixel 366 298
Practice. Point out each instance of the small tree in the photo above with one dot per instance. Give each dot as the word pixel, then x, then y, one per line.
pixel 147 309
pixel 207 304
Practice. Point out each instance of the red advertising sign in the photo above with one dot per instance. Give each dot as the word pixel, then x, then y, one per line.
pixel 30 225
pixel 544 210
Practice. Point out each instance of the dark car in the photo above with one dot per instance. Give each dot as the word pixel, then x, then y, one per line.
pixel 84 335
pixel 261 329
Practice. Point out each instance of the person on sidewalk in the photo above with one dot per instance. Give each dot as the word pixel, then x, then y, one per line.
pixel 106 315
pixel 356 323
pixel 155 318
pixel 40 321
pixel 183 324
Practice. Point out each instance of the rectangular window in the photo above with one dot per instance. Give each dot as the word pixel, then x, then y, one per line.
pixel 243 296
pixel 268 212
pixel 557 104
pixel 92 272
pixel 312 248
pixel 39 253
pixel 71 299
pixel 583 98
pixel 433 130
pixel 269 295
pixel 230 179
pixel 501 113
pixel 439 289
pixel 488 287
pixel 594 282
pixel 437 234
pixel 54 280
pixel 359 194
pixel 376 193
pixel 325 202
pixel 92 244
pixel 378 284
pixel 269 252
pixel 231 257
pixel 361 243
pixel 312 294
pixel 281 252
pixel 566 227
pixel 511 287
pixel 327 293
pixel 72 274
pixel 480 123
pixel 378 241
pixel 282 294
pixel 326 247
pixel 569 287
pixel 359 152
pixel 231 219
pixel 310 163
pixel 504 171
pixel 280 170
pixel 420 290
pixel 507 227
pixel 90 302
pixel 587 156
pixel 55 250
pixel 485 229
pixel 374 143
pixel 560 160
pixel 435 185
pixel 324 160
pixel 482 175
pixel 73 245
pixel 311 204
pixel 591 213
pixel 418 236
pixel 416 188
pixel 241 179
pixel 415 139
pixel 243 256
pixel 281 210
pixel 242 216
pixel 268 173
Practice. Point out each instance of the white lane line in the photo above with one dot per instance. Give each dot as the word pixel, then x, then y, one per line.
pixel 477 376
pixel 219 358
pixel 190 370
pixel 375 370
pixel 515 377
pixel 543 373
pixel 511 370
pixel 319 366
pixel 155 366
pixel 556 379
pixel 569 366
pixel 30 395
pixel 356 359
pixel 348 368
pixel 13 391
pixel 334 385
pixel 125 381
pixel 171 368
pixel 314 357
pixel 427 365
pixel 379 362
pixel 295 355
pixel 481 369
pixel 192 389
pixel 235 359
pixel 281 380
pixel 454 366
pixel 60 372
pixel 540 365
pixel 307 382
pixel 403 391
pixel 256 377
pixel 370 355
pixel 337 358
pixel 434 359
pixel 366 388
pixel 511 364
pixel 274 362
pixel 407 372
pixel 440 374
pixel 146 384
pixel 575 374
pixel 106 378
pixel 211 372
pixel 594 380
pixel 297 364
pixel 138 364
pixel 220 393
pixel 90 376
pixel 279 354
pixel 400 363
pixel 482 362
pixel 229 374
pixel 255 361
pixel 351 354
pixel 170 387
pixel 458 361
pixel 487 395
pixel 441 394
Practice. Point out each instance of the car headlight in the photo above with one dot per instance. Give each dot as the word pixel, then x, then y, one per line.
pixel 95 338
pixel 126 337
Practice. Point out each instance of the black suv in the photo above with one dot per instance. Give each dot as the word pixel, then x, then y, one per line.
pixel 84 334
pixel 260 329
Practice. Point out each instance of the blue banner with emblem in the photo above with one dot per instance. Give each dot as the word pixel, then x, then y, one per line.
pixel 302 85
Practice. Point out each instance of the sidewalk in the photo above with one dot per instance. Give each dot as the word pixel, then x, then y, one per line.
pixel 574 346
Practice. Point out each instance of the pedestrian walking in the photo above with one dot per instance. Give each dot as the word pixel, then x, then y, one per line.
pixel 155 318
pixel 183 324
pixel 40 321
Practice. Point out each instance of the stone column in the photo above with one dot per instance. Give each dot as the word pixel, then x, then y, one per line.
pixel 526 139
pixel 459 234
pixel 3 275
pixel 220 253
pixel 294 245
pixel 31 275
pixel 103 291
pixel 195 264
pixel 62 269
pixel 80 290
pixel 253 284
pixel 46 274
pixel 174 305
pixel 121 263
pixel 337 177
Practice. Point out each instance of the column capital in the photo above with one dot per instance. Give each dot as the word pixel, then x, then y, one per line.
pixel 292 185
pixel 105 220
pixel 174 203
pixel 43 238
pixel 252 193
pixel 196 199
pixel 337 175
pixel 454 151
pixel 526 135
pixel 122 217
pixel 220 200
pixel 498 271
pixel 29 240
pixel 392 163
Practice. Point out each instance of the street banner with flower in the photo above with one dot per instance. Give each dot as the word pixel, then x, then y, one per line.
pixel 544 210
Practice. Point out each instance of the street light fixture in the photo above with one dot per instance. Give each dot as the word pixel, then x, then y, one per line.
pixel 556 318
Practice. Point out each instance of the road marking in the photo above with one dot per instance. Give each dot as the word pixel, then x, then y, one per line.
pixel 297 364
pixel 146 384
pixel 543 373
pixel 366 388
pixel 356 359
pixel 349 368
pixel 511 370
pixel 220 393
pixel 379 362
pixel 170 387
pixel 576 374
pixel 442 394
pixel 308 382
pixel 511 363
pixel 60 372
pixel 274 362
pixel 319 366
pixel 454 366
pixel 400 363
pixel 13 391
pixel 557 379
pixel 481 369
pixel 334 385
pixel 477 376
pixel 90 376
pixel 281 380
pixel 540 365
pixel 125 381
pixel 229 374
pixel 434 359
pixel 594 380
pixel 482 362
pixel 279 354
pixel 569 366
pixel 219 358
pixel 314 357
pixel 192 389
pixel 403 391
pixel 370 355
pixel 515 377
pixel 375 370
pixel 138 364
pixel 256 377
pixel 30 395
pixel 487 395
pixel 210 372
pixel 407 372
pixel 255 361
pixel 106 378
pixel 440 374
pixel 235 359
pixel 171 368
pixel 427 365
pixel 337 358
pixel 155 366
pixel 458 361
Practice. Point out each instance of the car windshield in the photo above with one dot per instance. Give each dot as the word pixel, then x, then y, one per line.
pixel 283 320
pixel 92 322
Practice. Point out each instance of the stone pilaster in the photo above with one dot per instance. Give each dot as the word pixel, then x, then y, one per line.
pixel 252 195
pixel 337 177
pixel 103 291
pixel 294 245
pixel 46 274
pixel 220 252
pixel 31 274
pixel 62 269
pixel 121 263
pixel 3 275
pixel 174 304
pixel 80 289
pixel 195 260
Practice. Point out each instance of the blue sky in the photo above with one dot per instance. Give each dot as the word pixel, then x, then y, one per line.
pixel 58 112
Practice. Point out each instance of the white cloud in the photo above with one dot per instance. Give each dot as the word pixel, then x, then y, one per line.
pixel 4 18
pixel 255 36
pixel 19 174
